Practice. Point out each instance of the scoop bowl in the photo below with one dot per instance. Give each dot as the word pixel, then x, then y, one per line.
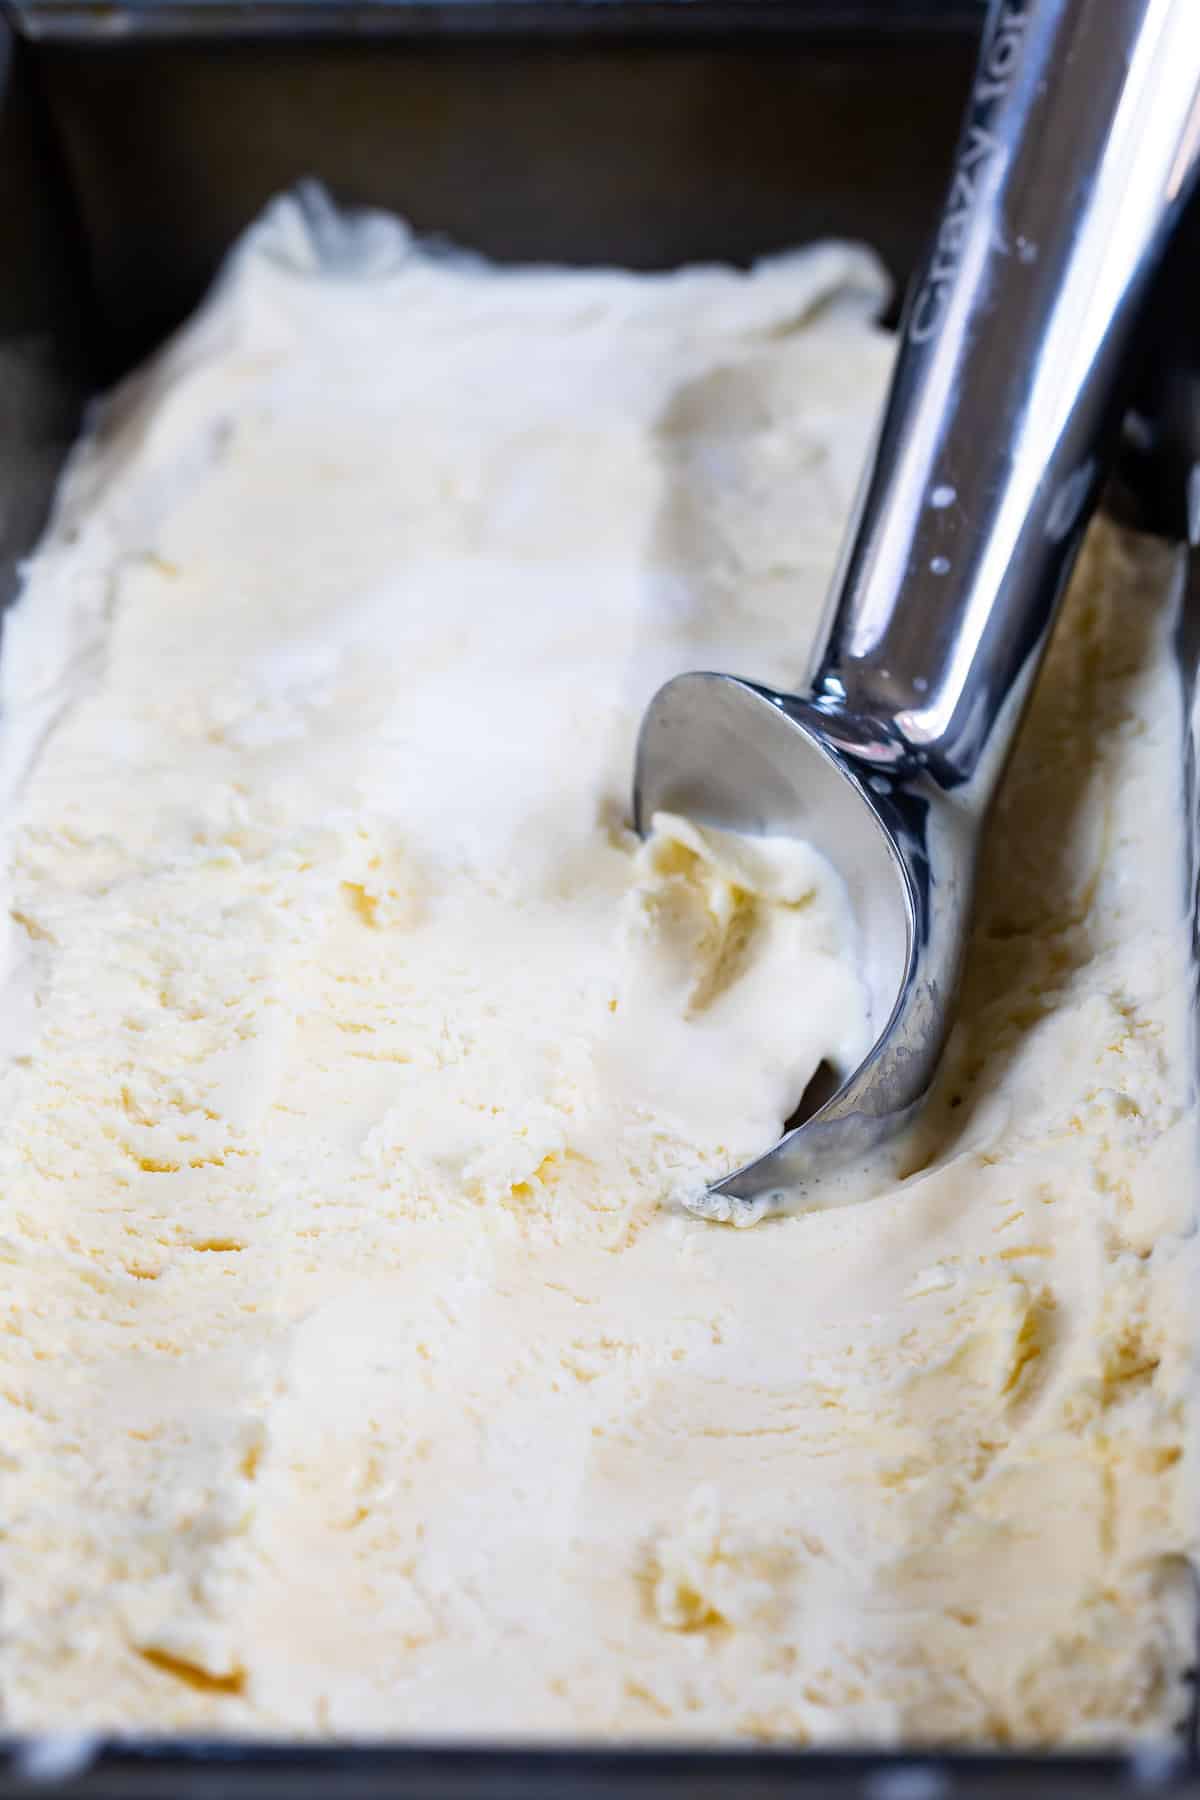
pixel 728 753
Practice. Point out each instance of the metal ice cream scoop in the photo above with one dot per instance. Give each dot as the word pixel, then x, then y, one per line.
pixel 1080 143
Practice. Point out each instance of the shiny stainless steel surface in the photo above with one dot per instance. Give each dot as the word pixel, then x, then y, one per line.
pixel 1081 140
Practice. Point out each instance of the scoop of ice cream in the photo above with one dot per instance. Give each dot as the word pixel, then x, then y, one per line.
pixel 740 978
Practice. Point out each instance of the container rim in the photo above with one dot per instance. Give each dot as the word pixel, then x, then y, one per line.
pixel 97 21
pixel 103 1768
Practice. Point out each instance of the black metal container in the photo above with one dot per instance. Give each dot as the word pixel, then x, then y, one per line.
pixel 137 140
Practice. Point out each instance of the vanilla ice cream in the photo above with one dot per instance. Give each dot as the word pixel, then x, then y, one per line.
pixel 363 1372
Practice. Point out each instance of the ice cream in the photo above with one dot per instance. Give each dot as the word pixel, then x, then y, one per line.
pixel 363 1373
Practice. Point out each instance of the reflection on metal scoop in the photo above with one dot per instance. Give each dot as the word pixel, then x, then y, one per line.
pixel 724 751
pixel 1080 145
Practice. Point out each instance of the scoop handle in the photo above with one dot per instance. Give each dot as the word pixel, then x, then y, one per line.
pixel 1080 143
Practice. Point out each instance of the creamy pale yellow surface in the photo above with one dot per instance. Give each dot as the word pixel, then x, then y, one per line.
pixel 362 1371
